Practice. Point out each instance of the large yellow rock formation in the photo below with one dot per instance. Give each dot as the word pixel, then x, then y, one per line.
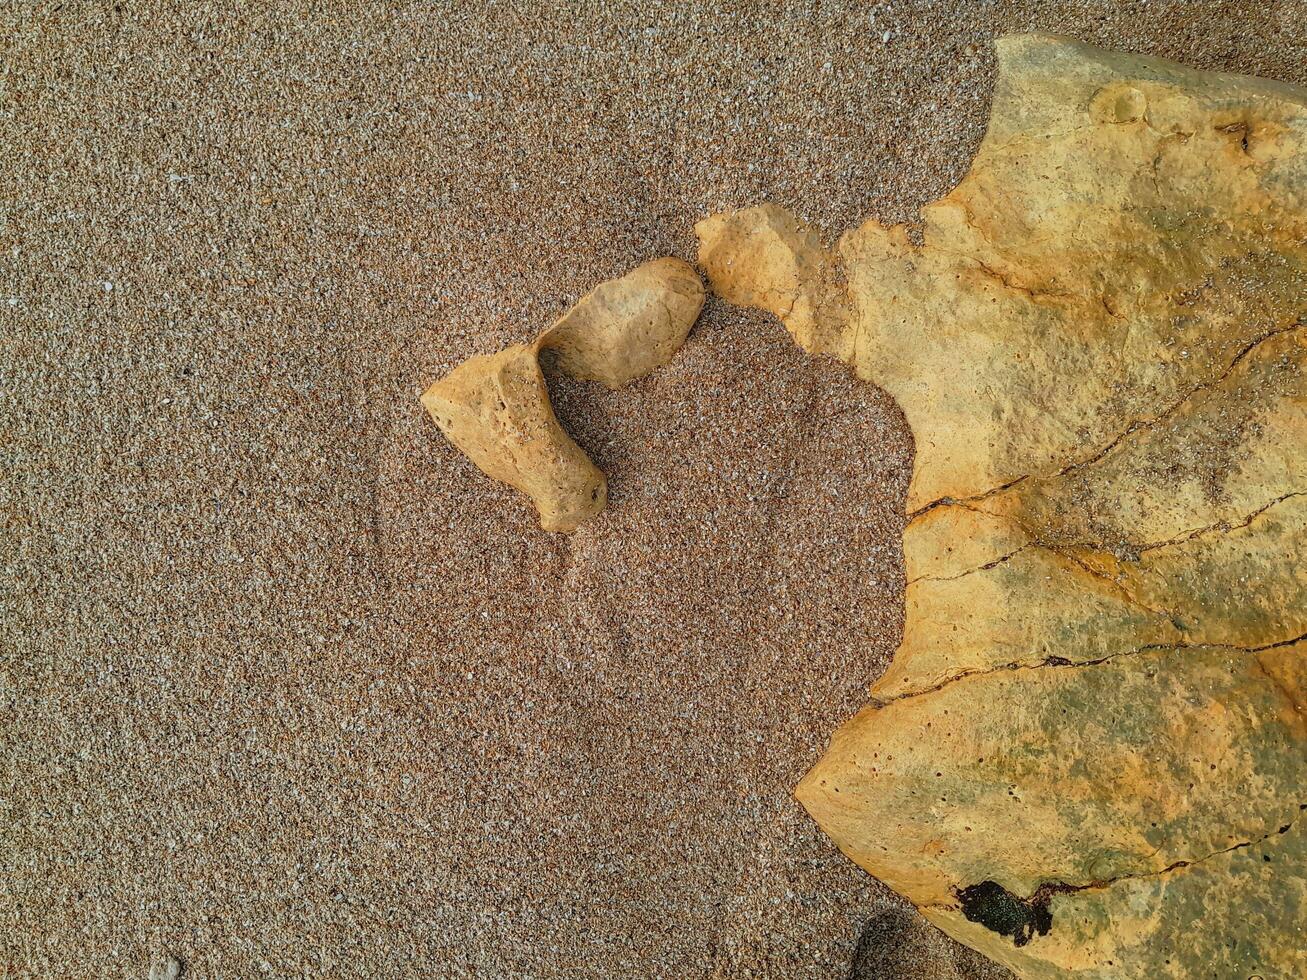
pixel 1089 756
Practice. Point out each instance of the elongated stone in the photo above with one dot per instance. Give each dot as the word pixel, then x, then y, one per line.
pixel 495 408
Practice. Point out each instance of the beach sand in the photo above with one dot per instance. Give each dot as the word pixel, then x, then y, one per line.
pixel 289 687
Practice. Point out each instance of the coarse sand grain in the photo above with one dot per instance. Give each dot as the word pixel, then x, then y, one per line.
pixel 289 687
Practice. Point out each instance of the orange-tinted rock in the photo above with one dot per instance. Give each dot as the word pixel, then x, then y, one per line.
pixel 496 409
pixel 1089 755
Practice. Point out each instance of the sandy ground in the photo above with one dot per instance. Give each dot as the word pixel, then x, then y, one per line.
pixel 288 687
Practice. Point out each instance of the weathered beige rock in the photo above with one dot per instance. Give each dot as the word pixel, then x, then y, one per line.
pixel 1089 756
pixel 495 408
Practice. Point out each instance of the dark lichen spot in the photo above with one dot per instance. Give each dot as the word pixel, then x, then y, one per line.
pixel 997 909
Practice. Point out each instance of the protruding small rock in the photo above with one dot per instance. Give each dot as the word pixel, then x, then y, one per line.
pixel 496 409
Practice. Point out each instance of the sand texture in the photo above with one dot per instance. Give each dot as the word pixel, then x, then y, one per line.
pixel 288 686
